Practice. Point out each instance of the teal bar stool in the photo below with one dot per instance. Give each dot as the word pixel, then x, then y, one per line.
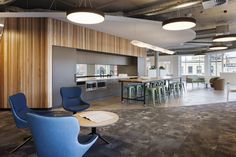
pixel 131 91
pixel 152 94
pixel 173 89
pixel 138 90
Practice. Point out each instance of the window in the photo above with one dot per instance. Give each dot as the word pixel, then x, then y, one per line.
pixel 199 69
pixel 229 62
pixel 190 69
pixel 81 69
pixel 105 69
pixel 222 62
pixel 215 64
pixel 192 65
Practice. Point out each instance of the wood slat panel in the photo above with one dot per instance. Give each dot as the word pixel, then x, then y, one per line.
pixel 26 55
pixel 25 60
pixel 69 35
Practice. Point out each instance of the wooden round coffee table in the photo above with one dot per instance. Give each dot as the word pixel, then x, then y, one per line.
pixel 85 122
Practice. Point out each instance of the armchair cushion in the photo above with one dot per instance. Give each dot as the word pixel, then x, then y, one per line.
pixel 71 99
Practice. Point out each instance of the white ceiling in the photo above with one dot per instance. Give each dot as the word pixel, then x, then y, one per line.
pixel 146 31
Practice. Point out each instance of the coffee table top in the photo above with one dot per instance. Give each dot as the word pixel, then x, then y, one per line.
pixel 88 123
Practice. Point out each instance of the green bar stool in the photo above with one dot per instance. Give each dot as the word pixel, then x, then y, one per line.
pixel 152 94
pixel 138 90
pixel 131 91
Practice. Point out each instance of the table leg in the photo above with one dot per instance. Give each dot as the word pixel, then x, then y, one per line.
pixel 94 132
pixel 144 93
pixel 122 84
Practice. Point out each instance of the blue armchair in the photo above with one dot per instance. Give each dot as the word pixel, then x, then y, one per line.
pixel 57 136
pixel 19 110
pixel 71 99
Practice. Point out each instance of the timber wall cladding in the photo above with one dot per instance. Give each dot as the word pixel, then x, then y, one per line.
pixel 24 60
pixel 73 36
pixel 26 49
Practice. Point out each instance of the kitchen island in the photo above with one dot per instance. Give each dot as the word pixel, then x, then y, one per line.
pixel 100 87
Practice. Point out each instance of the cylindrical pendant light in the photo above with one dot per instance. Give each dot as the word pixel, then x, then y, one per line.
pixel 225 38
pixel 179 23
pixel 86 16
pixel 218 47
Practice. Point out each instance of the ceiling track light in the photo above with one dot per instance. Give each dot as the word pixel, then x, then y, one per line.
pixel 179 23
pixel 215 48
pixel 85 15
pixel 225 38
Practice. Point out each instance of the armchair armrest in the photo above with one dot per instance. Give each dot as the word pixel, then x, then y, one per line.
pixel 85 103
pixel 91 140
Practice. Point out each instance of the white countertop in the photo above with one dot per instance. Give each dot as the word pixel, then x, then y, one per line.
pixel 102 78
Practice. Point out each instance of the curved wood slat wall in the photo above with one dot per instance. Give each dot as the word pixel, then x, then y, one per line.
pixel 24 60
pixel 26 51
pixel 69 35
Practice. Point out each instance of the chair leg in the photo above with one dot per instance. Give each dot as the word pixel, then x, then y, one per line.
pixel 23 143
pixel 227 96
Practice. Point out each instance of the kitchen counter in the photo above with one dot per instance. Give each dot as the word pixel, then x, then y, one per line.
pixel 85 79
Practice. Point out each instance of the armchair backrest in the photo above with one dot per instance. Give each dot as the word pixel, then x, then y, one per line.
pixel 55 136
pixel 19 109
pixel 70 96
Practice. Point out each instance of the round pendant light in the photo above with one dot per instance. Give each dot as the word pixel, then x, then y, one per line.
pixel 218 47
pixel 179 23
pixel 85 16
pixel 225 38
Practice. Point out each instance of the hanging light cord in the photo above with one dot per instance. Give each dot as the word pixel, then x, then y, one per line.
pixel 53 1
pixel 84 2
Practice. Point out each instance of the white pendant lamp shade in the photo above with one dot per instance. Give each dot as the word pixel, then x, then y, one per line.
pixel 85 16
pixel 225 38
pixel 218 47
pixel 180 23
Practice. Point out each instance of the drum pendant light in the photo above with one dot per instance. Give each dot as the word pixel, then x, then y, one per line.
pixel 85 15
pixel 179 23
pixel 215 48
pixel 225 38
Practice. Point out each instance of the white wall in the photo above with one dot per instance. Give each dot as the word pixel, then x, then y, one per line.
pixel 175 63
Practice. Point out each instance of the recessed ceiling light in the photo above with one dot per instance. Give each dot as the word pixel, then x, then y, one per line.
pixel 86 16
pixel 225 38
pixel 179 23
pixel 218 47
pixel 187 4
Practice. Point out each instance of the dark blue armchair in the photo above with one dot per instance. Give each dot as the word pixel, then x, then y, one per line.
pixel 71 99
pixel 19 110
pixel 57 136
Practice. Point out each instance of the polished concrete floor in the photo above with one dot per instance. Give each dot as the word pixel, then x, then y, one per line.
pixel 198 95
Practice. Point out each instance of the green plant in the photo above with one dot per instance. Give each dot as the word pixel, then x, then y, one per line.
pixel 161 68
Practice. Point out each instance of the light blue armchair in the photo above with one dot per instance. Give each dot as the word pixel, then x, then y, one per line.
pixel 57 136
